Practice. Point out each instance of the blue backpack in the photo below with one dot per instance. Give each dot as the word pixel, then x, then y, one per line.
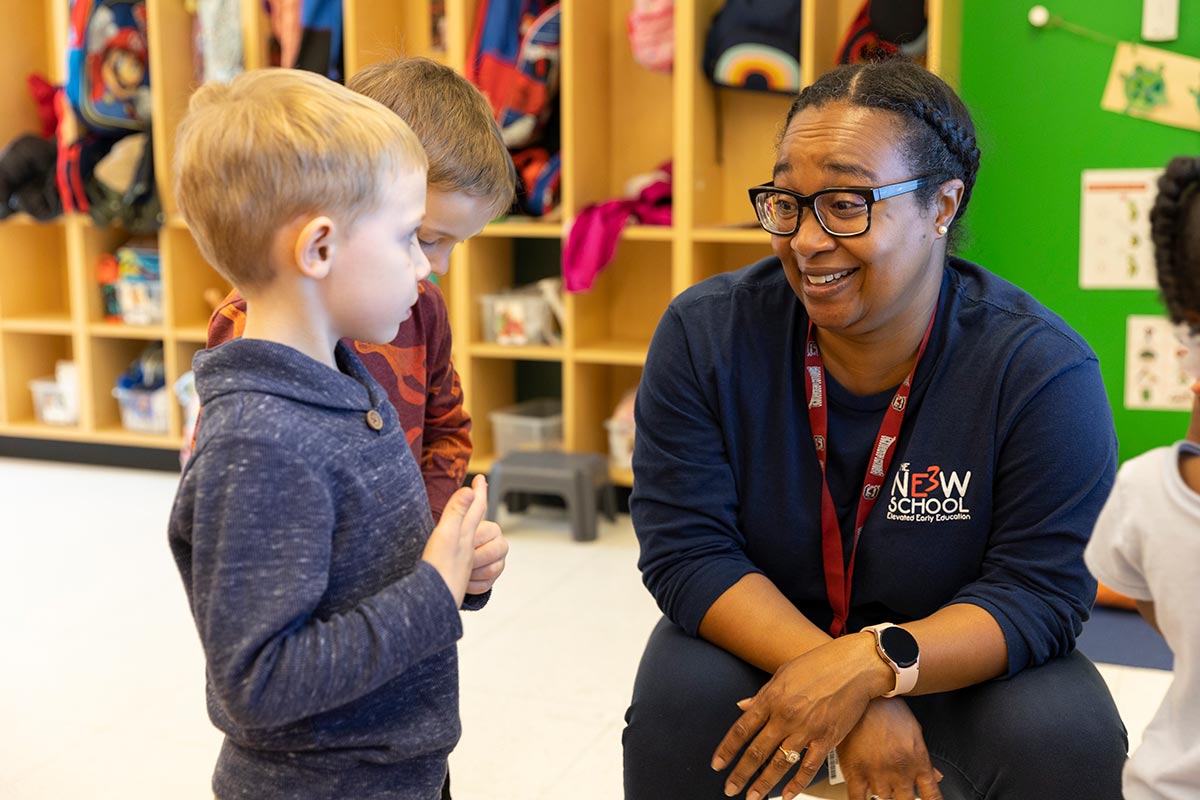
pixel 108 69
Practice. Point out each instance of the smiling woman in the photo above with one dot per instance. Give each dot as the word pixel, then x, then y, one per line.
pixel 865 473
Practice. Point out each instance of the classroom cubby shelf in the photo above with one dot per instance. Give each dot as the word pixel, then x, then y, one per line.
pixel 618 120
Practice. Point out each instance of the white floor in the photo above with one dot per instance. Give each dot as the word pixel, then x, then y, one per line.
pixel 101 674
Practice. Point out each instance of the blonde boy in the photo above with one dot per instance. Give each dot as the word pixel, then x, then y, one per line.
pixel 326 600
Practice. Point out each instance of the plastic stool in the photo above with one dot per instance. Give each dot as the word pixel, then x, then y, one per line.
pixel 575 477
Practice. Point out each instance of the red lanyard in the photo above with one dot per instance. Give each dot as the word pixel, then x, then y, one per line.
pixel 837 573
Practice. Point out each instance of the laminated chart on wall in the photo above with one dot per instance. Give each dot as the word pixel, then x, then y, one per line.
pixel 1115 250
pixel 1154 84
pixel 1154 376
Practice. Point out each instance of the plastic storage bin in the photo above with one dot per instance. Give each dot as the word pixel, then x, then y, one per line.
pixel 620 442
pixel 143 410
pixel 532 425
pixel 517 319
pixel 56 397
pixel 51 403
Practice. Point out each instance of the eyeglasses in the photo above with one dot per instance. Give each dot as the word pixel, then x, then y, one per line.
pixel 841 210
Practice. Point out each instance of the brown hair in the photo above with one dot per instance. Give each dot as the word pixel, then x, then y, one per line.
pixel 453 121
pixel 272 145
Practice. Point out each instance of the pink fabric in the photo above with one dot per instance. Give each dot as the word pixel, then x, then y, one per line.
pixel 594 236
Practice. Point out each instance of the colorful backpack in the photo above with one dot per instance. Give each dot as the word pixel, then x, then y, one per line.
pixel 755 45
pixel 514 60
pixel 108 70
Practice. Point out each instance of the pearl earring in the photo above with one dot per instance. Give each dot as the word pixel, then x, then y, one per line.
pixel 942 230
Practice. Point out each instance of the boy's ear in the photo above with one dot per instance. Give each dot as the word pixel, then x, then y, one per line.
pixel 314 248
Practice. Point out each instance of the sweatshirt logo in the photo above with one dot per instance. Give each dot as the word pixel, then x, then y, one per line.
pixel 931 495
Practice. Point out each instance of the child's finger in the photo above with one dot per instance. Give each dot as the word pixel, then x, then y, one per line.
pixel 474 514
pixel 457 506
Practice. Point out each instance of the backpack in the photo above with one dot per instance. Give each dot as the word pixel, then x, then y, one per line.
pixel 514 60
pixel 108 70
pixel 755 45
pixel 883 30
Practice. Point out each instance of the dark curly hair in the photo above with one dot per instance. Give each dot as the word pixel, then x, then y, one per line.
pixel 1175 230
pixel 939 133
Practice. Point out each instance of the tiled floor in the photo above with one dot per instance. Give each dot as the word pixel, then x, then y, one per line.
pixel 101 675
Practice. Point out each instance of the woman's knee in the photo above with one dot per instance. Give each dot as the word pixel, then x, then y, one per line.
pixel 684 700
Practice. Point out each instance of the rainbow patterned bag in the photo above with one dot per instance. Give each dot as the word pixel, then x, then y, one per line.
pixel 755 45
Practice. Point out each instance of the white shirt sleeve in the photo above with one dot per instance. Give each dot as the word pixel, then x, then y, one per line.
pixel 1114 553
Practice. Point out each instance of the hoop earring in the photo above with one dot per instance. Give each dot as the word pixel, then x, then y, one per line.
pixel 942 230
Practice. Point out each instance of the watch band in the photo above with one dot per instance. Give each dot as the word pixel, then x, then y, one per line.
pixel 906 672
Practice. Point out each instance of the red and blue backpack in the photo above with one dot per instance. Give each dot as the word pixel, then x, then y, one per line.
pixel 514 60
pixel 108 69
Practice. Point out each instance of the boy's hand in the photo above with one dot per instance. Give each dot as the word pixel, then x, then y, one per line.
pixel 491 549
pixel 451 546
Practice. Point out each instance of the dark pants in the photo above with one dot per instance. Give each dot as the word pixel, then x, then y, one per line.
pixel 1048 732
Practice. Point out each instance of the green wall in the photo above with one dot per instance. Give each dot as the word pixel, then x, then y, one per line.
pixel 1035 96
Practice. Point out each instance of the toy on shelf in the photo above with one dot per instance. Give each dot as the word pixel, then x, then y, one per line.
pixel 528 315
pixel 141 392
pixel 130 283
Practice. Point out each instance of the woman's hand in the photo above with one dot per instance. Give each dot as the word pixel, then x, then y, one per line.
pixel 809 705
pixel 885 756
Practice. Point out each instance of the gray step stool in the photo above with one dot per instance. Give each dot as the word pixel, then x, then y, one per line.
pixel 576 477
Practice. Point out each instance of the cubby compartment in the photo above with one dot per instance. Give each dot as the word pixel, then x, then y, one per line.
pixel 194 286
pixel 34 284
pixel 30 357
pixel 735 135
pixel 497 266
pixel 618 116
pixel 172 70
pixel 598 391
pixel 110 358
pixel 713 258
pixel 613 322
pixel 96 243
pixel 498 383
pixel 29 47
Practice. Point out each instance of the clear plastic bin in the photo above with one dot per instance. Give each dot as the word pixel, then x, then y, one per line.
pixel 532 425
pixel 620 442
pixel 517 319
pixel 142 410
pixel 53 403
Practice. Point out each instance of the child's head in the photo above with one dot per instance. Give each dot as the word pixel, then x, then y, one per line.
pixel 1175 228
pixel 275 146
pixel 471 175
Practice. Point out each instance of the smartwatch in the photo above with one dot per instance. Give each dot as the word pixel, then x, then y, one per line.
pixel 899 649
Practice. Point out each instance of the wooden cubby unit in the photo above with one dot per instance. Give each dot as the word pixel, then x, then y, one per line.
pixel 618 120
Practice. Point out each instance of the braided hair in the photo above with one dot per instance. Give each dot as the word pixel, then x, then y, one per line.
pixel 939 135
pixel 1175 231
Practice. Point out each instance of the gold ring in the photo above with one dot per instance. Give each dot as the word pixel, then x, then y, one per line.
pixel 790 756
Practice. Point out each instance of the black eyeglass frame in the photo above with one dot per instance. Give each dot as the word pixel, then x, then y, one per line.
pixel 870 195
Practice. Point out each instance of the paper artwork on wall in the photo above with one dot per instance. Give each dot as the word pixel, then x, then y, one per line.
pixel 1154 376
pixel 1115 251
pixel 1154 84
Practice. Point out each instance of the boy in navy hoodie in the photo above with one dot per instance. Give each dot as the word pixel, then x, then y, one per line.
pixel 326 600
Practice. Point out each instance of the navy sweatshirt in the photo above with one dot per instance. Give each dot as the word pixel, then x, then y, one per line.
pixel 298 530
pixel 1005 457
